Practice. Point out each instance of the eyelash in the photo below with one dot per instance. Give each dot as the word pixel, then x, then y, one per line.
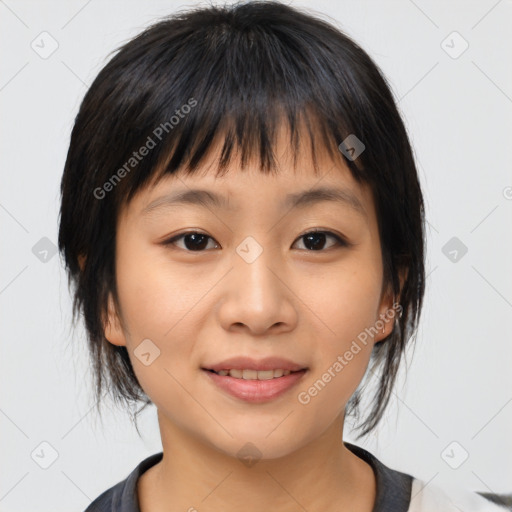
pixel 341 241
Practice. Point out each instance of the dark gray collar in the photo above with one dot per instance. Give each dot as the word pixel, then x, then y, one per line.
pixel 393 487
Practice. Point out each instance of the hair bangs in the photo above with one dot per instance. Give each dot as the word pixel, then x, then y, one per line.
pixel 244 86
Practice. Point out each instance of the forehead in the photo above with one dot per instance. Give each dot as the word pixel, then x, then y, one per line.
pixel 232 191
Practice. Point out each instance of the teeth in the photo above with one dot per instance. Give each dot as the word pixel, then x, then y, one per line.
pixel 254 374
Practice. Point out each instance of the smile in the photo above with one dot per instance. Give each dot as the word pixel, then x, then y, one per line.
pixel 255 386
pixel 253 374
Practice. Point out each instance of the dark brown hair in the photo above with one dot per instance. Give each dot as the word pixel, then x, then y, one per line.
pixel 239 71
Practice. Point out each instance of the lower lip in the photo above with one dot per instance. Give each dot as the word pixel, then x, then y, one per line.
pixel 255 391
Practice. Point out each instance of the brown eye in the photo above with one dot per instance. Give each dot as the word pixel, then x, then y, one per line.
pixel 193 241
pixel 316 240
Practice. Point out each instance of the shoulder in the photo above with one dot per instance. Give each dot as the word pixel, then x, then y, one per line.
pixel 123 495
pixel 103 503
pixel 427 497
pixel 114 499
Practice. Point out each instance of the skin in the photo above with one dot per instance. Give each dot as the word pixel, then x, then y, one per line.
pixel 292 301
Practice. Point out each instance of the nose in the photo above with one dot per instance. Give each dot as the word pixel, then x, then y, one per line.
pixel 257 295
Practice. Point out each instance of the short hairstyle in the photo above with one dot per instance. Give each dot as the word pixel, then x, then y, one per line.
pixel 237 72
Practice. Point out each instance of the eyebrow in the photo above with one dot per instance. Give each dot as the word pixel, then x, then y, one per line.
pixel 302 199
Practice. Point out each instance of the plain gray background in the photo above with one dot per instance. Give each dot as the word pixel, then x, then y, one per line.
pixel 457 399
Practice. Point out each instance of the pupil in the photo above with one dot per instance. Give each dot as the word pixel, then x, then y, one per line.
pixel 200 241
pixel 318 240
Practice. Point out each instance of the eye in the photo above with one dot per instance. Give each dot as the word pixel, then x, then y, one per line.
pixel 195 241
pixel 316 239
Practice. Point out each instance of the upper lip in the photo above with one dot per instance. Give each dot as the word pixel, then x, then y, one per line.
pixel 246 363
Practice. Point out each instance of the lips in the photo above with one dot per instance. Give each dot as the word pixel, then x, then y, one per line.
pixel 255 390
pixel 247 363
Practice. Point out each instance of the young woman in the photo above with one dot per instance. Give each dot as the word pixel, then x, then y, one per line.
pixel 243 224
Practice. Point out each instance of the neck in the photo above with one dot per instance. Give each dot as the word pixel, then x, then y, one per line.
pixel 322 475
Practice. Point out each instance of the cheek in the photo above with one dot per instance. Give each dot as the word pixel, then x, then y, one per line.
pixel 342 306
pixel 160 303
pixel 341 359
pixel 343 301
pixel 154 294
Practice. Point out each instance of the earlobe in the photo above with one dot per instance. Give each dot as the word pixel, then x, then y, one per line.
pixel 81 261
pixel 386 319
pixel 390 310
pixel 113 330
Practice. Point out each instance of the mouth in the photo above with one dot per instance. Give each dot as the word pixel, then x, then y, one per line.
pixel 254 386
pixel 254 374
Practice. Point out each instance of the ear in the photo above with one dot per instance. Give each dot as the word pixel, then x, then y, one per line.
pixel 112 327
pixel 81 261
pixel 388 309
pixel 113 330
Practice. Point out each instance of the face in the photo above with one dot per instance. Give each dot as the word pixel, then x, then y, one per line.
pixel 199 283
